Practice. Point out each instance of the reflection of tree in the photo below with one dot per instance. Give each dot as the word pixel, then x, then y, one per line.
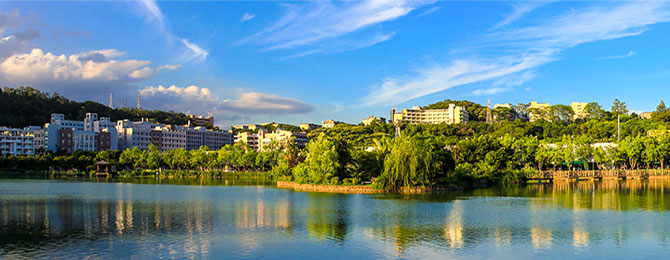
pixel 328 216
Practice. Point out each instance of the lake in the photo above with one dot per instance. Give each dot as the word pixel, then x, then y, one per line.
pixel 214 219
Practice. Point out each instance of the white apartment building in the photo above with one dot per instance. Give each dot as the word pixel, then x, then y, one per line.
pixel 280 136
pixel 416 115
pixel 134 134
pixel 330 123
pixel 168 138
pixel 15 141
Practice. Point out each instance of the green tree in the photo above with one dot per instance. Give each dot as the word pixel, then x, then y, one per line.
pixel 619 108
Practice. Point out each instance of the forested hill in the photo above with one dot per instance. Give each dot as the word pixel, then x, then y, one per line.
pixel 24 106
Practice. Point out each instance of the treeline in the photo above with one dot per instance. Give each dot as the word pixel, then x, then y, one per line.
pixel 24 106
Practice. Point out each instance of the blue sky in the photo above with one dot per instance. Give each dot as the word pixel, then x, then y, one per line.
pixel 294 62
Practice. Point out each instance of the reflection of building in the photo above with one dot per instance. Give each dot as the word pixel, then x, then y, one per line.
pixel 453 229
pixel 416 115
pixel 280 136
pixel 309 126
pixel 330 123
pixel 14 141
pixel 372 119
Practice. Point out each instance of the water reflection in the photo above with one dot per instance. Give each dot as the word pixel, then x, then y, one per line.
pixel 160 221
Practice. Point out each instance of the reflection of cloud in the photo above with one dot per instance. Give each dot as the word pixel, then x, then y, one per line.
pixel 524 49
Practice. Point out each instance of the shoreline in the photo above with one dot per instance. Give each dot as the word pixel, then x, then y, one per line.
pixel 364 189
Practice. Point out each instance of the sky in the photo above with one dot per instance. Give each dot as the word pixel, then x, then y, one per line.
pixel 303 61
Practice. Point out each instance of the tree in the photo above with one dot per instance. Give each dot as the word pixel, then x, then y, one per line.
pixel 561 113
pixel 521 110
pixel 619 108
pixel 661 107
pixel 594 110
pixel 154 157
pixel 321 163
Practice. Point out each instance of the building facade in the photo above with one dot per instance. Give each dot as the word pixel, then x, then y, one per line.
pixel 416 115
pixel 330 123
pixel 15 141
pixel 309 126
pixel 280 136
pixel 249 139
pixel 579 109
pixel 538 111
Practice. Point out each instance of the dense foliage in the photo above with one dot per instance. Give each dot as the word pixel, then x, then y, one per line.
pixel 24 106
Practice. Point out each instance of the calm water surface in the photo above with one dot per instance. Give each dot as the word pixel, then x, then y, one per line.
pixel 242 219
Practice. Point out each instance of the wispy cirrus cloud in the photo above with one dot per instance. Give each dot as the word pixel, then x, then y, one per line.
pixel 247 17
pixel 629 54
pixel 201 100
pixel 520 9
pixel 524 49
pixel 316 25
pixel 190 51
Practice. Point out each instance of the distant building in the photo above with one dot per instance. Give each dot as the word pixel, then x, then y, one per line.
pixel 15 141
pixel 538 110
pixel 330 123
pixel 646 115
pixel 280 136
pixel 309 126
pixel 247 127
pixel 416 115
pixel 249 139
pixel 201 121
pixel 372 119
pixel 507 105
pixel 579 109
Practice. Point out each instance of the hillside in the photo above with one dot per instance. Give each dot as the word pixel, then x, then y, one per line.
pixel 24 106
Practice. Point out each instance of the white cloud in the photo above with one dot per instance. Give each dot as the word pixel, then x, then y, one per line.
pixel 525 49
pixel 201 100
pixel 313 24
pixel 247 17
pixel 83 75
pixel 190 51
pixel 630 53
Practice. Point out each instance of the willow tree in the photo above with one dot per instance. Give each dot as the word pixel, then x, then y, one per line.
pixel 414 162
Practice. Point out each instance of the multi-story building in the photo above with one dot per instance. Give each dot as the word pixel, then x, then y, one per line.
pixel 646 115
pixel 309 126
pixel 168 138
pixel 372 119
pixel 15 141
pixel 249 139
pixel 578 108
pixel 79 135
pixel 199 136
pixel 330 123
pixel 280 136
pixel 416 115
pixel 134 134
pixel 538 110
